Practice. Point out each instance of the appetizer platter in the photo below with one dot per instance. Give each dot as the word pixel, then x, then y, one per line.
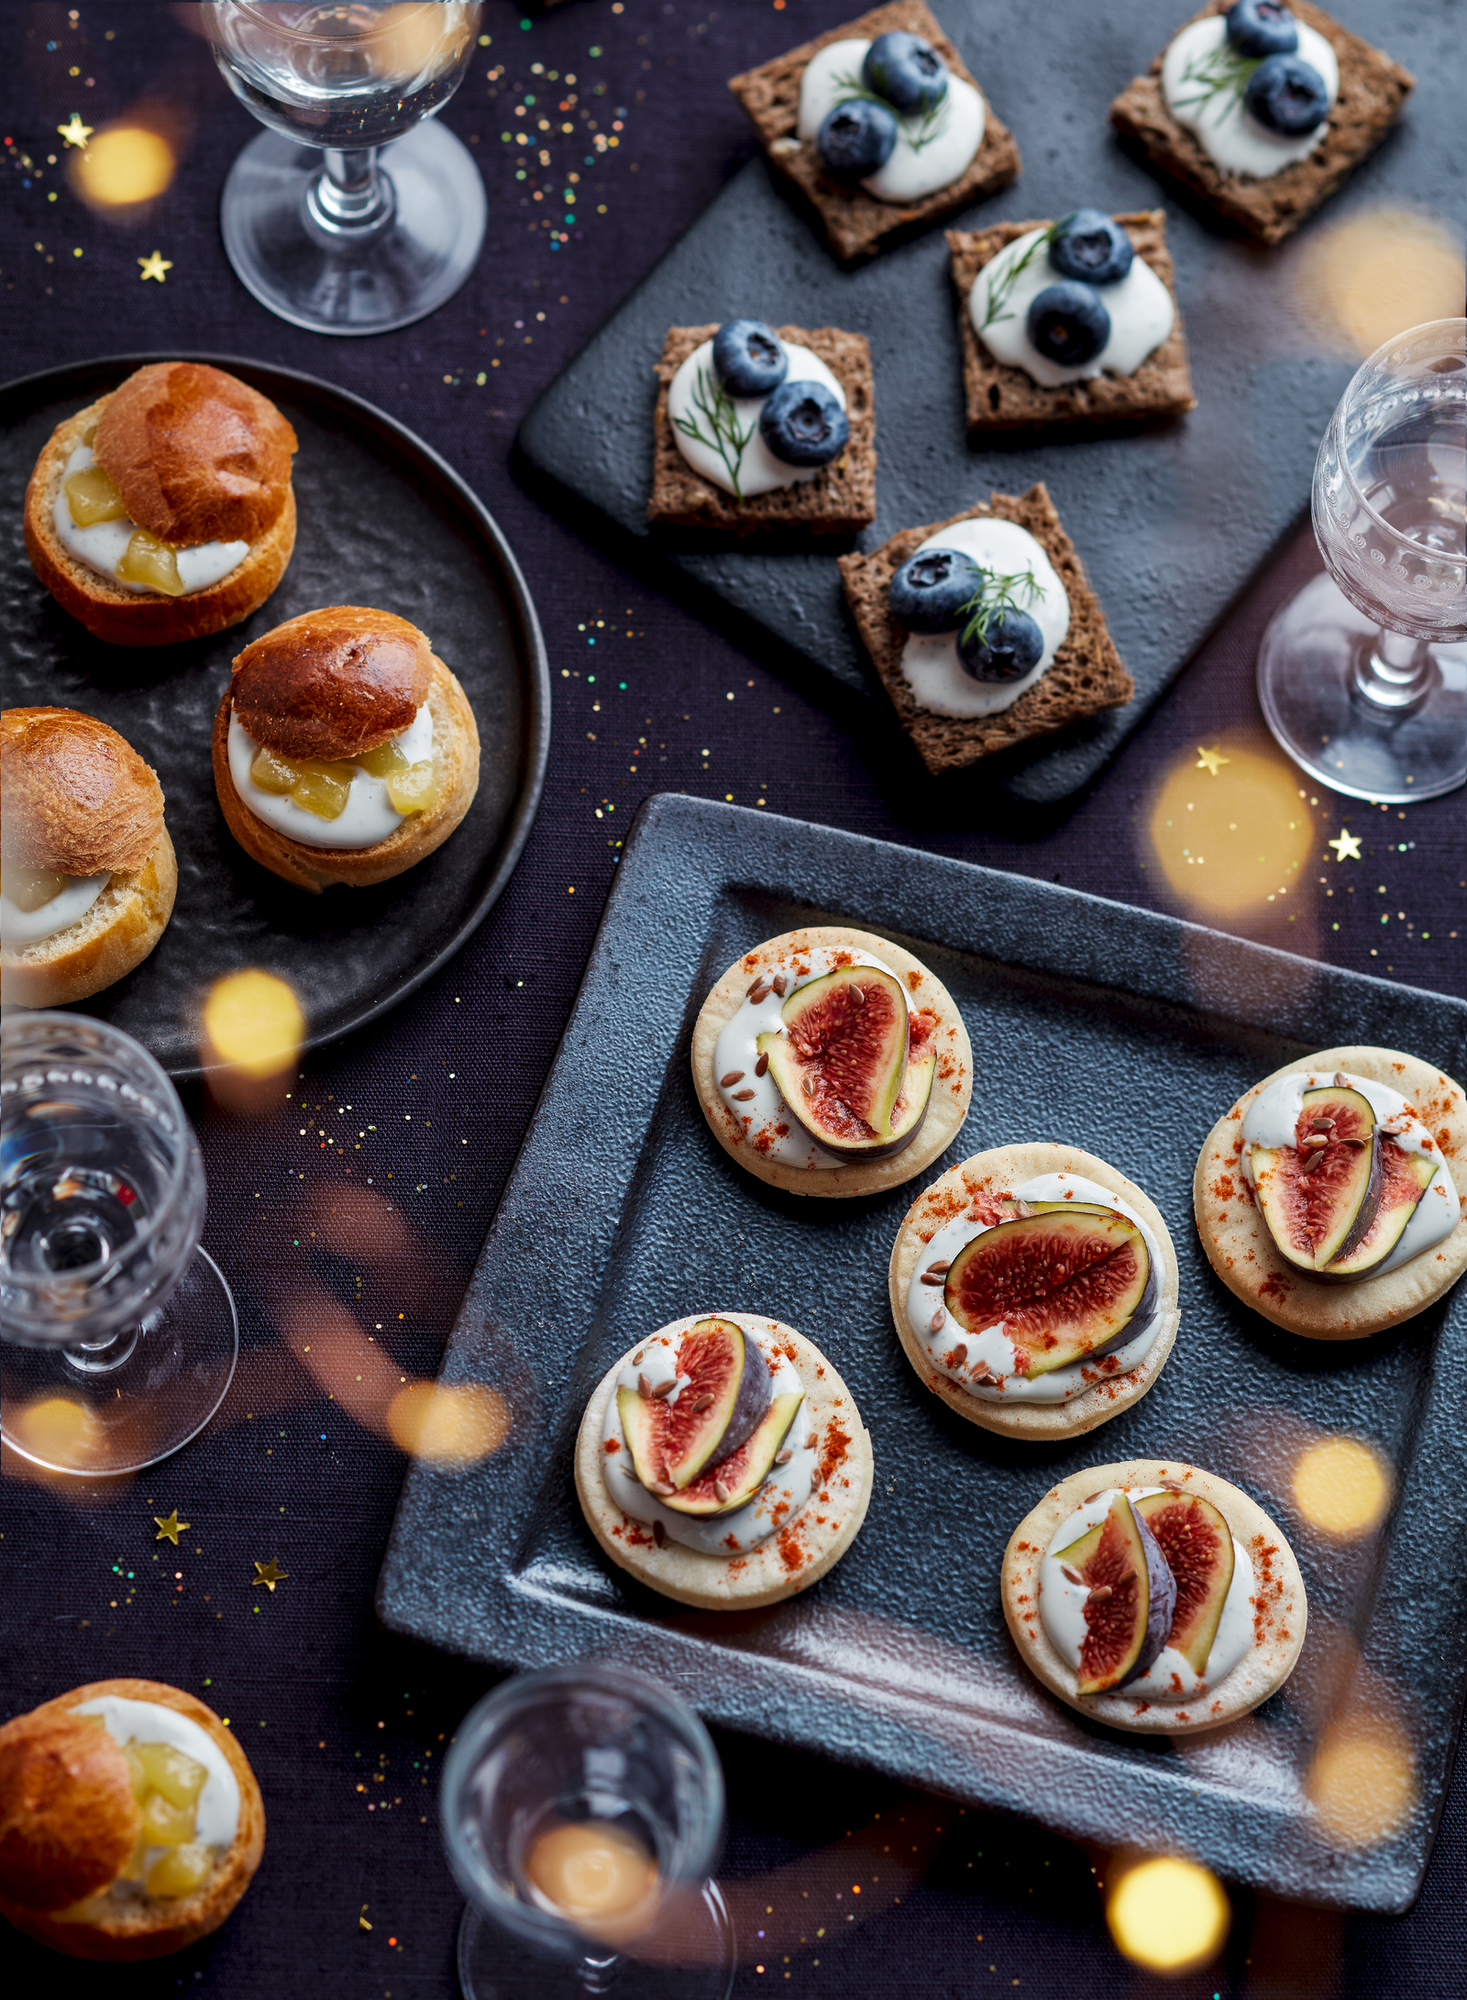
pixel 900 1630
pixel 368 585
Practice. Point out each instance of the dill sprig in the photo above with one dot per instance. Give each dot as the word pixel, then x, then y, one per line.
pixel 995 595
pixel 1222 71
pixel 1000 294
pixel 933 120
pixel 723 435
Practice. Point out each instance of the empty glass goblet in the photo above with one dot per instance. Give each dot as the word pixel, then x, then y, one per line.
pixel 320 229
pixel 1363 674
pixel 582 1809
pixel 119 1333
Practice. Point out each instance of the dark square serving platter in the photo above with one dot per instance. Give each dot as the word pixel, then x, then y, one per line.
pixel 1115 1029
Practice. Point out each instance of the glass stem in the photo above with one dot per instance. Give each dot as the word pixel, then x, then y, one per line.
pixel 1394 670
pixel 100 1357
pixel 598 1976
pixel 351 196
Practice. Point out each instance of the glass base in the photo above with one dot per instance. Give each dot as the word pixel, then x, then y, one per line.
pixel 122 1406
pixel 1307 683
pixel 494 1965
pixel 341 282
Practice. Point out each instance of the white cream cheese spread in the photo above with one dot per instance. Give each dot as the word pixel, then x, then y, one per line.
pixel 933 149
pixel 746 465
pixel 1169 1677
pixel 103 545
pixel 773 1507
pixel 991 1348
pixel 1140 308
pixel 1200 97
pixel 216 1814
pixel 930 662
pixel 21 928
pixel 368 816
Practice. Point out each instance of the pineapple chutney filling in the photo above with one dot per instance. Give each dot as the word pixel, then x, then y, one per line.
pixel 1146 1590
pixel 1070 1303
pixel 353 802
pixel 186 1789
pixel 1348 1180
pixel 93 524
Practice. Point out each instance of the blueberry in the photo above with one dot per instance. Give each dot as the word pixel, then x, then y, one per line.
pixel 748 357
pixel 856 139
pixel 803 424
pixel 906 70
pixel 1013 646
pixel 1091 245
pixel 1068 324
pixel 1262 28
pixel 1287 95
pixel 930 589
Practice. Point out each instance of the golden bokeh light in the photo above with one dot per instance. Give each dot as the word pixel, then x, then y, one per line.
pixel 451 1425
pixel 1232 843
pixel 123 166
pixel 1362 1782
pixel 1169 1915
pixel 1372 275
pixel 253 1027
pixel 58 1432
pixel 1342 1487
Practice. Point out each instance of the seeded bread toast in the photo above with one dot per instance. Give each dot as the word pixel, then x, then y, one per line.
pixel 1086 675
pixel 1003 398
pixel 1372 91
pixel 856 224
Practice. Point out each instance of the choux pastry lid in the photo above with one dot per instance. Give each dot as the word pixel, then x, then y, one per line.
pixel 74 795
pixel 332 683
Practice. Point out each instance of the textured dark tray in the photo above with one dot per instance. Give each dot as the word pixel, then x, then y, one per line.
pixel 1170 522
pixel 623 1213
pixel 383 520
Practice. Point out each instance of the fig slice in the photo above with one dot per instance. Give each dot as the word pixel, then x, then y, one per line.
pixel 1198 1546
pixel 1319 1200
pixel 725 1399
pixel 1132 1599
pixel 1146 1308
pixel 840 1059
pixel 744 1471
pixel 1062 1283
pixel 1404 1179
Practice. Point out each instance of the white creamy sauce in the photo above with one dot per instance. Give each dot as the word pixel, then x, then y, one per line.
pixel 368 815
pixel 992 1346
pixel 759 471
pixel 216 1813
pixel 1140 308
pixel 930 660
pixel 1272 1120
pixel 931 152
pixel 103 545
pixel 737 1049
pixel 1169 1677
pixel 787 1488
pixel 1225 129
pixel 21 928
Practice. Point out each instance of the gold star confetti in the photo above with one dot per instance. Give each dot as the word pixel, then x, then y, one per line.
pixel 1346 845
pixel 74 132
pixel 170 1529
pixel 269 1574
pixel 1211 761
pixel 362 1923
pixel 155 266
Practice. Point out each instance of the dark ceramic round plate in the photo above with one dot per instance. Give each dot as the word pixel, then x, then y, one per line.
pixel 383 520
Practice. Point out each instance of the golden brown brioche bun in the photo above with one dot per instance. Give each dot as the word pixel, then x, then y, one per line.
pixel 104 1928
pixel 126 617
pixel 68 1818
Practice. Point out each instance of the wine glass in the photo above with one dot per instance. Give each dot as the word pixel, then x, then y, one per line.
pixel 582 1809
pixel 320 229
pixel 1363 675
pixel 119 1333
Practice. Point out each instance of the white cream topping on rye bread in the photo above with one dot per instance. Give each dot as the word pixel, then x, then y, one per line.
pixel 991 1348
pixel 759 471
pixel 368 816
pixel 1169 1677
pixel 216 1813
pixel 103 545
pixel 20 928
pixel 932 149
pixel 930 662
pixel 1140 308
pixel 1227 131
pixel 778 1501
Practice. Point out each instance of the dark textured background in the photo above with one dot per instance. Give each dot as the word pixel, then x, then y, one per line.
pixel 349 1204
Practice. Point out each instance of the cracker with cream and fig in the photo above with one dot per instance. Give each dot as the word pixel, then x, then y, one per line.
pixel 989 1327
pixel 1332 1196
pixel 879 1065
pixel 1154 1597
pixel 723 1462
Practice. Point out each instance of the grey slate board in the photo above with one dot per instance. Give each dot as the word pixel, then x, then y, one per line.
pixel 1170 523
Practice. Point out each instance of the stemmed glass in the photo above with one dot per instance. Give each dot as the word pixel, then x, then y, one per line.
pixel 582 1809
pixel 1362 675
pixel 317 226
pixel 119 1333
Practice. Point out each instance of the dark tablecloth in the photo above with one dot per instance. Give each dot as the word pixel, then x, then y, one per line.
pixel 843 1883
